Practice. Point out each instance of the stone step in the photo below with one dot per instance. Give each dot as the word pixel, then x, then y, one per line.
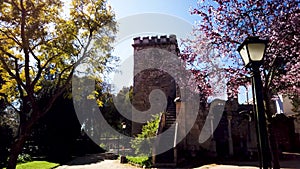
pixel 167 140
pixel 170 119
pixel 170 115
pixel 169 123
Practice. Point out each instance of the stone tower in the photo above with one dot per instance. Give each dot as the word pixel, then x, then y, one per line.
pixel 152 57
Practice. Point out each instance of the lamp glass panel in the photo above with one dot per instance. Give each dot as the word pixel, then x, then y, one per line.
pixel 256 51
pixel 244 54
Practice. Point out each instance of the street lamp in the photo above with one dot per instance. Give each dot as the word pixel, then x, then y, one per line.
pixel 252 51
pixel 123 126
pixel 123 129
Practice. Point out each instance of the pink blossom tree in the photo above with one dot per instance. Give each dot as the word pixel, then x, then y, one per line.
pixel 224 24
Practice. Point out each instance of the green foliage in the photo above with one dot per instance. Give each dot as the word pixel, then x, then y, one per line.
pixel 142 144
pixel 103 146
pixel 111 113
pixel 23 158
pixel 40 49
pixel 141 161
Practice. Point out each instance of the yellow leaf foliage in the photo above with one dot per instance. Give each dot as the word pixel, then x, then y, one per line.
pixel 40 46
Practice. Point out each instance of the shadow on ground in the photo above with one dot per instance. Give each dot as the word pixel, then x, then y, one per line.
pixel 92 158
pixel 288 161
pixel 191 163
pixel 286 164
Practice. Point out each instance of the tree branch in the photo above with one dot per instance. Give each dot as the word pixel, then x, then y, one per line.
pixel 25 45
pixel 6 67
pixel 10 37
pixel 40 71
pixel 18 75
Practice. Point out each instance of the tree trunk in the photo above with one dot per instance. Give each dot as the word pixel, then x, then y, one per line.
pixel 15 150
pixel 27 125
pixel 17 146
pixel 274 148
pixel 270 110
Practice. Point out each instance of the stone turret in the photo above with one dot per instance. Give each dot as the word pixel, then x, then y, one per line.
pixel 148 53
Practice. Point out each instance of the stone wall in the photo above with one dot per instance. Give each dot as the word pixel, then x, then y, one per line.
pixel 297 132
pixel 154 58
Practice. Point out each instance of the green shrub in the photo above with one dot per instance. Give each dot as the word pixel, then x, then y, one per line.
pixel 23 158
pixel 103 146
pixel 142 144
pixel 140 161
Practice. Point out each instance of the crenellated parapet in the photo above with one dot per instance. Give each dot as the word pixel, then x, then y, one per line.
pixel 155 40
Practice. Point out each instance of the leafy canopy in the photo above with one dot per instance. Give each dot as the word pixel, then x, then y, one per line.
pixel 41 44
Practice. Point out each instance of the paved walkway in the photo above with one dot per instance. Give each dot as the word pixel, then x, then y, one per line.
pixel 214 166
pixel 115 164
pixel 106 164
pixel 97 161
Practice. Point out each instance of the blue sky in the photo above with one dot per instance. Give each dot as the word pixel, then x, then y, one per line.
pixel 154 13
pixel 179 9
pixel 176 8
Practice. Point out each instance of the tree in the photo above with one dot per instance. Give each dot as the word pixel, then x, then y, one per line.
pixel 113 103
pixel 223 25
pixel 40 47
pixel 58 134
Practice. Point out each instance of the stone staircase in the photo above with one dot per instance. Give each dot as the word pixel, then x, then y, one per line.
pixel 170 116
pixel 166 159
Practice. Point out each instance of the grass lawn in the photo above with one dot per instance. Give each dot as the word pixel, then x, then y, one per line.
pixel 37 165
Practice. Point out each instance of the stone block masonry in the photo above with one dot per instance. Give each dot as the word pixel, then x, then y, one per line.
pixel 153 59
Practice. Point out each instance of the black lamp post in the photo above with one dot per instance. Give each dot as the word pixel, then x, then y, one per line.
pixel 252 51
pixel 123 129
